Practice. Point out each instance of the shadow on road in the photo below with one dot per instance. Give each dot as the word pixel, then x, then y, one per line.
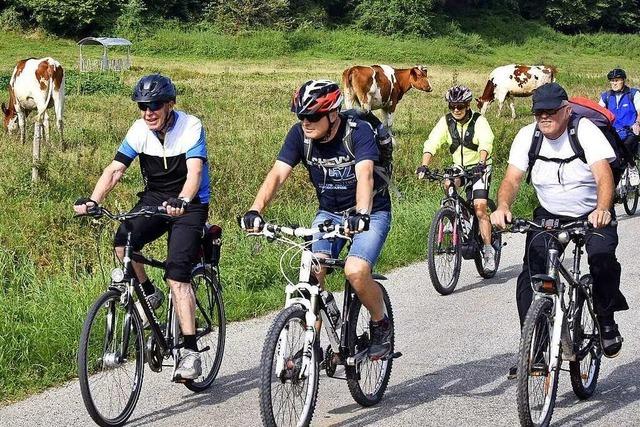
pixel 502 276
pixel 223 388
pixel 485 377
pixel 616 391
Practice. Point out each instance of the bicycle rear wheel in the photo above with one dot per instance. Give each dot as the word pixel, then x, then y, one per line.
pixel 630 202
pixel 372 377
pixel 537 383
pixel 286 397
pixel 585 370
pixel 210 326
pixel 111 360
pixel 443 255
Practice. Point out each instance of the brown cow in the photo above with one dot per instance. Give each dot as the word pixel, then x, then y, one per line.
pixel 381 87
pixel 513 80
pixel 35 85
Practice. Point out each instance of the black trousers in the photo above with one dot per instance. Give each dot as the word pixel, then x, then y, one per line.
pixel 631 144
pixel 603 266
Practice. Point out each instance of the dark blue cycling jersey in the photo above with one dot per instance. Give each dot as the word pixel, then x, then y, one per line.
pixel 333 170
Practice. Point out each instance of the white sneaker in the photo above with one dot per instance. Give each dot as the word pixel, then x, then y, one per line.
pixel 189 366
pixel 634 176
pixel 489 258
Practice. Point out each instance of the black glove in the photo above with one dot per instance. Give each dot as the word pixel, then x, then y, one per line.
pixel 358 222
pixel 177 203
pixel 423 169
pixel 83 201
pixel 479 169
pixel 251 220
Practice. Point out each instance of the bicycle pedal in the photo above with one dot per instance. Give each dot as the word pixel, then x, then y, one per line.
pixel 395 355
pixel 202 350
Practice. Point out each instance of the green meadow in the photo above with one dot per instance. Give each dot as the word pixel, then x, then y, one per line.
pixel 52 266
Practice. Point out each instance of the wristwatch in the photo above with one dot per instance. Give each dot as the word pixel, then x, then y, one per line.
pixel 362 211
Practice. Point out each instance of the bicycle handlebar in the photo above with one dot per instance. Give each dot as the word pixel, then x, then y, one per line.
pixel 146 211
pixel 522 225
pixel 448 173
pixel 332 230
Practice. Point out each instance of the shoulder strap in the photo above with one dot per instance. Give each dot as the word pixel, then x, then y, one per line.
pixel 467 139
pixel 347 140
pixel 452 125
pixel 572 130
pixel 534 150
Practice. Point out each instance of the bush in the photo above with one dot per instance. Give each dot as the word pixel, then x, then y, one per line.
pixel 77 17
pixel 106 83
pixel 233 16
pixel 397 17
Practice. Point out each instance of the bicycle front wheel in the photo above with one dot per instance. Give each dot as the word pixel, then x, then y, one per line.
pixel 287 394
pixel 585 369
pixel 372 377
pixel 630 202
pixel 210 326
pixel 537 382
pixel 111 360
pixel 443 255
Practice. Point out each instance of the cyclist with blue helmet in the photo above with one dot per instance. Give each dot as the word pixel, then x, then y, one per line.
pixel 171 146
pixel 624 102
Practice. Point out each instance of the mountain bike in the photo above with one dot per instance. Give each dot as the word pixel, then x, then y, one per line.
pixel 560 325
pixel 113 349
pixel 626 193
pixel 292 356
pixel 455 233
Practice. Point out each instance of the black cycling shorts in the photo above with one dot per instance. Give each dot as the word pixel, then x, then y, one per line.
pixel 185 234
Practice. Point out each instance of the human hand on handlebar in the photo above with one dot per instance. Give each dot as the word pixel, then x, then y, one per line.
pixel 599 218
pixel 501 217
pixel 251 221
pixel 635 128
pixel 84 206
pixel 479 169
pixel 176 206
pixel 422 171
pixel 356 223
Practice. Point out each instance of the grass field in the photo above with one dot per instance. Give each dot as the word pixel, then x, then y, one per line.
pixel 240 86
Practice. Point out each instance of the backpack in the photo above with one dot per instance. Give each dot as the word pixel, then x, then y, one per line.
pixel 383 167
pixel 467 140
pixel 603 119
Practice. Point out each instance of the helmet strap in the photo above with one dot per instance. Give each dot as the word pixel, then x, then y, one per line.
pixel 332 124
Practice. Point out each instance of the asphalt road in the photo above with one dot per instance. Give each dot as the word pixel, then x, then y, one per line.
pixel 457 351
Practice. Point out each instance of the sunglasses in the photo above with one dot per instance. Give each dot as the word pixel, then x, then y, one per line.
pixel 548 112
pixel 313 118
pixel 153 106
pixel 458 106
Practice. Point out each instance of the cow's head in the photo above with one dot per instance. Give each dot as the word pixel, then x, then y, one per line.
pixel 419 78
pixel 10 121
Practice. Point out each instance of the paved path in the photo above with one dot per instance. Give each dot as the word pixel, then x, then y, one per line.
pixel 457 350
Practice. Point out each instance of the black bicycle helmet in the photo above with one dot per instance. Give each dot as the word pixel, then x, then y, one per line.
pixel 617 73
pixel 154 87
pixel 458 94
pixel 316 96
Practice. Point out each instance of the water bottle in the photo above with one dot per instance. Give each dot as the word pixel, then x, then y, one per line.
pixel 332 308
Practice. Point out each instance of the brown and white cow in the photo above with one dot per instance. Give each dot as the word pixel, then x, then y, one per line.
pixel 513 80
pixel 35 85
pixel 381 87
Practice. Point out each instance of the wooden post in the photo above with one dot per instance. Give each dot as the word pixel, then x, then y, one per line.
pixel 36 152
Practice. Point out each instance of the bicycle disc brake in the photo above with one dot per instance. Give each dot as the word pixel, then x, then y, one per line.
pixel 153 354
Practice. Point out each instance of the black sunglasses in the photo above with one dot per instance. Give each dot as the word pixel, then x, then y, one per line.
pixel 547 111
pixel 458 106
pixel 313 118
pixel 153 106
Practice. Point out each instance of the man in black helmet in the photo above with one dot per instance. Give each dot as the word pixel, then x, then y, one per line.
pixel 624 102
pixel 173 155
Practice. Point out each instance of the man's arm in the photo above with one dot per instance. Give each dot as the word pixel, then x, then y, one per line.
pixel 364 186
pixel 506 195
pixel 275 178
pixel 604 187
pixel 109 178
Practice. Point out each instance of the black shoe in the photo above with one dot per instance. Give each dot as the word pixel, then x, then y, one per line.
pixel 381 334
pixel 611 340
pixel 513 372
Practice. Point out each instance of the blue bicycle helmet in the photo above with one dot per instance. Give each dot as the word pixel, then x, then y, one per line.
pixel 154 87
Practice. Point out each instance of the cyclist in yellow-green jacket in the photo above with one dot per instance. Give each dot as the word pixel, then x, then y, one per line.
pixel 469 138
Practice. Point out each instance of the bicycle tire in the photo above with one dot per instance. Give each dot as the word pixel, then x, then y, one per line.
pixel 537 328
pixel 359 341
pixel 586 330
pixel 496 242
pixel 630 207
pixel 88 351
pixel 452 248
pixel 209 300
pixel 282 324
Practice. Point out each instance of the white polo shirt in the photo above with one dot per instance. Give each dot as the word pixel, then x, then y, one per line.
pixel 567 189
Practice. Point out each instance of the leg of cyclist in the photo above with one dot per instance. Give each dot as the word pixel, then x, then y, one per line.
pixel 480 195
pixel 184 239
pixel 605 270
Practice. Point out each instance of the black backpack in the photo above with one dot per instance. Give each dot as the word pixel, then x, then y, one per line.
pixel 383 167
pixel 603 119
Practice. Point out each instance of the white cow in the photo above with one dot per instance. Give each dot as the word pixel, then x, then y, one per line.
pixel 514 80
pixel 35 85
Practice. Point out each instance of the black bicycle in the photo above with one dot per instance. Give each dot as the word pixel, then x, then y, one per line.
pixel 113 350
pixel 455 234
pixel 561 325
pixel 292 356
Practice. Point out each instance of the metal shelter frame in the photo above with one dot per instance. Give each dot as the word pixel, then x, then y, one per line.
pixel 104 63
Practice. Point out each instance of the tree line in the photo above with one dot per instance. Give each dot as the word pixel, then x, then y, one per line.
pixel 423 18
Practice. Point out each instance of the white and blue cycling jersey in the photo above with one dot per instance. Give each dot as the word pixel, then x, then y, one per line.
pixel 164 163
